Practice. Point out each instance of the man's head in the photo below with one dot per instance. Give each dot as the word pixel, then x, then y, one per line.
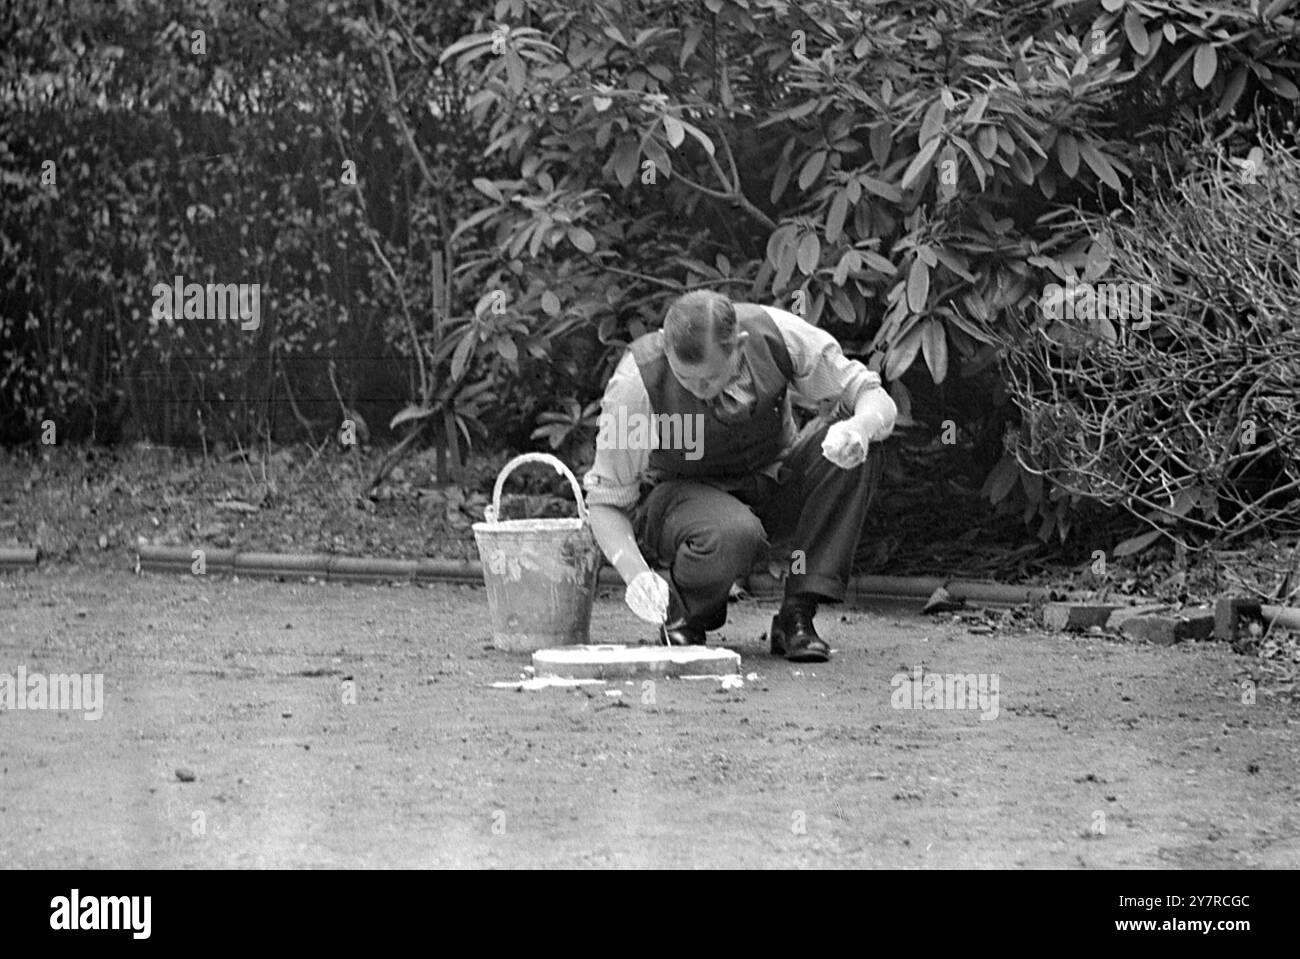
pixel 703 343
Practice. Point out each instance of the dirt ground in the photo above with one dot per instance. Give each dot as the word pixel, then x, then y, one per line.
pixel 1102 754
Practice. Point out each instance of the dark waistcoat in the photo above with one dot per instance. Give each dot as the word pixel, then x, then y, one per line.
pixel 729 449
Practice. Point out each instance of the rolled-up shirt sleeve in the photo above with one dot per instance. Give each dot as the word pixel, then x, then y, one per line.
pixel 615 475
pixel 822 373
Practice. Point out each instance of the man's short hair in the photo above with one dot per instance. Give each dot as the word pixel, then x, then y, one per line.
pixel 696 318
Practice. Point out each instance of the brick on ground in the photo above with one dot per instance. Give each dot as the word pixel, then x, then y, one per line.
pixel 1116 620
pixel 1167 628
pixel 1077 616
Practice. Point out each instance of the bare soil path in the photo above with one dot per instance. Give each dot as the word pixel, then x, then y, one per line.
pixel 1101 754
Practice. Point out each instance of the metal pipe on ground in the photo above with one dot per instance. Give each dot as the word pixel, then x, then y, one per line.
pixel 761 585
pixel 181 559
pixel 765 586
pixel 1281 616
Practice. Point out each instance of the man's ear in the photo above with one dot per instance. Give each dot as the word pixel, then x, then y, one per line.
pixel 741 338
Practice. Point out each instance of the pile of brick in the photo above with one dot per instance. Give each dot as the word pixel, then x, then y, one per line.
pixel 1164 624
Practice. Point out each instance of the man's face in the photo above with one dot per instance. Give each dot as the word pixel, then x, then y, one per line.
pixel 711 375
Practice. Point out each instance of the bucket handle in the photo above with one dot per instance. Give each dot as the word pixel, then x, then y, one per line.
pixel 493 511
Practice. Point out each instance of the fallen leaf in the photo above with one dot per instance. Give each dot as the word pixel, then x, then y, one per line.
pixel 941 601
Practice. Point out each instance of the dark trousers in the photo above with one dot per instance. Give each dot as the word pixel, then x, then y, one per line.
pixel 710 532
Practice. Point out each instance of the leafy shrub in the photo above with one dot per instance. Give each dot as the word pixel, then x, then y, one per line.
pixel 536 179
pixel 898 172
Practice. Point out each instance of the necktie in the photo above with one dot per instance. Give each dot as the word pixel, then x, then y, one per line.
pixel 737 402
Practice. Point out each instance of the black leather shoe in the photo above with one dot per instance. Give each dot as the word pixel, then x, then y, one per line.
pixel 682 633
pixel 794 637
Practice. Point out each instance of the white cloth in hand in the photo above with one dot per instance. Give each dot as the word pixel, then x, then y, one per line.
pixel 845 445
pixel 647 596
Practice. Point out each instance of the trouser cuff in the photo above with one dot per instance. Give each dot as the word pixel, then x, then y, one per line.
pixel 821 589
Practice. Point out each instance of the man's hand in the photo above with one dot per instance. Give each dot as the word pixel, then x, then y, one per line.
pixel 647 596
pixel 845 445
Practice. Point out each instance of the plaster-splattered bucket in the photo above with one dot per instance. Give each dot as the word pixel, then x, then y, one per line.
pixel 540 573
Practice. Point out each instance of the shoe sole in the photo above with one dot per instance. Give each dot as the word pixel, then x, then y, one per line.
pixel 799 655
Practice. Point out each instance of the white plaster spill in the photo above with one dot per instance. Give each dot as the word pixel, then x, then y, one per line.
pixel 542 682
pixel 729 680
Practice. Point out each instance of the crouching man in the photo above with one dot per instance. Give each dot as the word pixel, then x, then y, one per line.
pixel 699 469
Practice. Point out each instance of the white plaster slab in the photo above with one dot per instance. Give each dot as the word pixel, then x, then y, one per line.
pixel 624 662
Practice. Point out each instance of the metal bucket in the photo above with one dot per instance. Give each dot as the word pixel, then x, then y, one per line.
pixel 540 573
